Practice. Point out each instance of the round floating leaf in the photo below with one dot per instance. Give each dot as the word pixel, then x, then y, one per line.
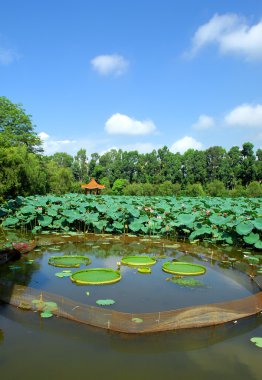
pixel 144 270
pixel 50 306
pixel 244 228
pixel 257 341
pixel 46 314
pixel 88 293
pixel 64 274
pixel 189 282
pixel 137 320
pixel 251 238
pixel 105 302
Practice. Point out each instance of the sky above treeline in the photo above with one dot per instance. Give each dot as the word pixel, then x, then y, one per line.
pixel 135 75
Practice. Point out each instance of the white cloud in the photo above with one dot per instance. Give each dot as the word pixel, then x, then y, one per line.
pixel 204 122
pixel 7 56
pixel 43 136
pixel 231 34
pixel 52 146
pixel 119 124
pixel 249 116
pixel 186 143
pixel 110 64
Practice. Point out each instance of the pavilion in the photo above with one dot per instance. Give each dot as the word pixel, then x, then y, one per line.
pixel 92 187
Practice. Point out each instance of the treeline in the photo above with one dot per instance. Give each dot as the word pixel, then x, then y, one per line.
pixel 25 170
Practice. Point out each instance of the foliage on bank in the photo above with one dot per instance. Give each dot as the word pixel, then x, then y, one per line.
pixel 216 220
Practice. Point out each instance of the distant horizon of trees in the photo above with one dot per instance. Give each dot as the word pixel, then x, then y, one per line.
pixel 25 170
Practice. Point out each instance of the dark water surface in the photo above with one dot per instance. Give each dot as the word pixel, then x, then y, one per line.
pixel 35 348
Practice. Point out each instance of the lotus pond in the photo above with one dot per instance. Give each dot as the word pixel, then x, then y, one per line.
pixel 65 346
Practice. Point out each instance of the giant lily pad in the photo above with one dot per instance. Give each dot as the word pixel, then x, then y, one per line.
pixel 96 276
pixel 71 261
pixel 138 260
pixel 183 268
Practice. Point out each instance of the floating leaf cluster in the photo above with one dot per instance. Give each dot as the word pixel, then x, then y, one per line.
pixel 188 282
pixel 217 220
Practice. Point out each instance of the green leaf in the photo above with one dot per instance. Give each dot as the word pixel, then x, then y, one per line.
pixel 135 226
pixel 258 223
pixel 46 314
pixel 105 302
pixel 244 228
pixel 257 341
pixel 185 219
pixel 251 238
pixel 44 220
pixel 11 221
pixel 258 244
pixel 137 320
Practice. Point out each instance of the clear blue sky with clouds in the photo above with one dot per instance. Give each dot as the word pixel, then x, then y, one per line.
pixel 135 75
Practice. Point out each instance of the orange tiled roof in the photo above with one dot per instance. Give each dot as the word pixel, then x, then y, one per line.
pixel 92 185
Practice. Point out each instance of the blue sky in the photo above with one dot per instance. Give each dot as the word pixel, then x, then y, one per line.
pixel 136 74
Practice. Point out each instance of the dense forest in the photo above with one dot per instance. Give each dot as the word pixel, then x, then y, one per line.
pixel 25 170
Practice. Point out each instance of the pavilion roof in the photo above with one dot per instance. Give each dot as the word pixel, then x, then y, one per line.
pixel 92 185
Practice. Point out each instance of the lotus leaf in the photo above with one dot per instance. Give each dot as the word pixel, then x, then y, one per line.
pixel 189 282
pixel 137 320
pixel 10 221
pixel 251 238
pixel 105 302
pixel 257 341
pixel 258 244
pixel 135 226
pixel 46 314
pixel 258 223
pixel 244 228
pixel 44 220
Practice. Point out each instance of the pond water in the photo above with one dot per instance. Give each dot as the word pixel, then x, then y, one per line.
pixel 31 347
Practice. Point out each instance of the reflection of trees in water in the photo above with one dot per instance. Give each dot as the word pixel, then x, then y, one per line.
pixel 1 336
pixel 17 270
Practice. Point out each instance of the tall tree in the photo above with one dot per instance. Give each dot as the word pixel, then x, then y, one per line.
pixel 248 167
pixel 16 128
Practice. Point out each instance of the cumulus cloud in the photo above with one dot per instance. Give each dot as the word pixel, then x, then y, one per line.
pixel 204 122
pixel 7 56
pixel 186 143
pixel 110 64
pixel 249 116
pixel 119 124
pixel 52 146
pixel 231 34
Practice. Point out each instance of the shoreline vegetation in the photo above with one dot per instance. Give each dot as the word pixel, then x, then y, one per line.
pixel 25 170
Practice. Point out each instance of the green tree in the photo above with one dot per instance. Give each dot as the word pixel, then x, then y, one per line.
pixel 21 172
pixel 63 159
pixel 118 186
pixel 60 179
pixel 16 128
pixel 194 190
pixel 80 167
pixel 254 189
pixel 216 189
pixel 248 167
